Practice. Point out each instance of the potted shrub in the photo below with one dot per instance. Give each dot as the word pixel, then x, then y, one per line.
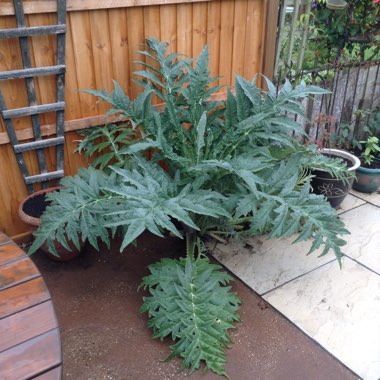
pixel 30 211
pixel 333 188
pixel 192 167
pixel 368 174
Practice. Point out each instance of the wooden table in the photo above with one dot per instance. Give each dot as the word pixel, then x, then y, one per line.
pixel 30 345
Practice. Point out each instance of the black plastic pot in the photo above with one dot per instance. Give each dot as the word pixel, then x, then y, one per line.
pixel 333 189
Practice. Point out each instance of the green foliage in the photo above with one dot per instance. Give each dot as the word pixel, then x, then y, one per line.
pixel 333 37
pixel 232 167
pixel 145 197
pixel 214 152
pixel 191 303
pixel 348 31
pixel 108 141
pixel 372 149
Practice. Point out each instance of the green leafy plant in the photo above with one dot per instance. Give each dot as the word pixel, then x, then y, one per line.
pixel 189 303
pixel 195 166
pixel 372 149
pixel 334 38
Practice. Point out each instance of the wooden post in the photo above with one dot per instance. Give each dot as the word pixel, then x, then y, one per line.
pixel 270 37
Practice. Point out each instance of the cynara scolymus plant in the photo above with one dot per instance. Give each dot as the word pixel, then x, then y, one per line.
pixel 193 167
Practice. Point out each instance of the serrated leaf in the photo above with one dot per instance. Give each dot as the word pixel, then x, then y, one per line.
pixel 189 302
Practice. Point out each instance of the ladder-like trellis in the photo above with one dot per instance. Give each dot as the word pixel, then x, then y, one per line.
pixel 22 32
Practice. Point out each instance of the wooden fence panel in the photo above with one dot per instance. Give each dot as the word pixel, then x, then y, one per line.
pixel 101 47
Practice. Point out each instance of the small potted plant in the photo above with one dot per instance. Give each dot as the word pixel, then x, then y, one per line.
pixel 368 174
pixel 334 141
pixel 333 188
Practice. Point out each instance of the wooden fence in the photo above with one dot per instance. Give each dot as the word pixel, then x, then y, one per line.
pixel 102 39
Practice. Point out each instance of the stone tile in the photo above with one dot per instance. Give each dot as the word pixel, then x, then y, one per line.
pixel 265 264
pixel 340 309
pixel 349 203
pixel 373 198
pixel 364 242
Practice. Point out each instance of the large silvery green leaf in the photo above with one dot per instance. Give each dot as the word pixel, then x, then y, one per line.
pixel 190 302
pixel 145 197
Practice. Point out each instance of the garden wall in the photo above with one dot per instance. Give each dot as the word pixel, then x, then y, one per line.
pixel 101 43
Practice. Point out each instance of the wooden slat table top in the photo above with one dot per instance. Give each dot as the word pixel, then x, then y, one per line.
pixel 17 272
pixel 31 358
pixel 10 252
pixel 4 239
pixel 23 296
pixel 53 374
pixel 14 330
pixel 30 343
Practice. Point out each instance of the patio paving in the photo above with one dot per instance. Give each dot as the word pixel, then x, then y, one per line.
pixel 338 308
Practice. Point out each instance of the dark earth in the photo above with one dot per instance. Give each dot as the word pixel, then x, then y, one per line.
pixel 104 336
pixel 36 205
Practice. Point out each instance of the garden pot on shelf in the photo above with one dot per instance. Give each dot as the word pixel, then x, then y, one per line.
pixel 368 179
pixel 30 211
pixel 332 188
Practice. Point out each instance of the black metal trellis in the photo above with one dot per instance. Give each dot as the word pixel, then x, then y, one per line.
pixel 22 32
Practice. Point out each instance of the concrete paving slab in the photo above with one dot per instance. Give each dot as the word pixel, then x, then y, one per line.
pixel 363 244
pixel 339 309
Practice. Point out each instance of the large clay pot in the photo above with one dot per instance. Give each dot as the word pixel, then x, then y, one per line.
pixel 30 211
pixel 332 188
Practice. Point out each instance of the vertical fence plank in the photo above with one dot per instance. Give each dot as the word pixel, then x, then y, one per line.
pixel 101 49
pixel 152 22
pixel 253 38
pixel 168 25
pixel 240 18
pixel 185 29
pixel 12 190
pixel 152 29
pixel 226 41
pixel 84 65
pixel 213 35
pixel 72 100
pixel 270 17
pixel 73 160
pixel 119 46
pixel 199 27
pixel 135 26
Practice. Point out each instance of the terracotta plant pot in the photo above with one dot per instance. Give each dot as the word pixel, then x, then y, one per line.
pixel 30 211
pixel 332 188
pixel 368 179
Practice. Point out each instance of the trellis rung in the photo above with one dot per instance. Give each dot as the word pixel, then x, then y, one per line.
pixel 39 144
pixel 33 72
pixel 44 177
pixel 32 31
pixel 33 110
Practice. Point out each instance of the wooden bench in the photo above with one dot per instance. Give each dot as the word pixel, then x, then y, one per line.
pixel 30 345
